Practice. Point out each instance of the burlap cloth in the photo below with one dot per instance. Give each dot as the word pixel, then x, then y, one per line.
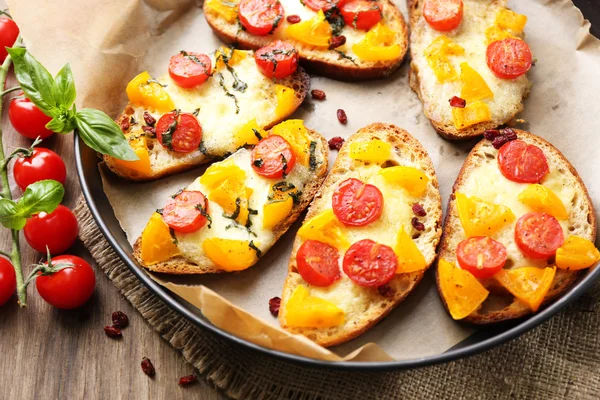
pixel 559 359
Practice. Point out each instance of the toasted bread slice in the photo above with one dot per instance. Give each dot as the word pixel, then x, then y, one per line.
pixel 480 170
pixel 508 95
pixel 365 306
pixel 219 115
pixel 340 63
pixel 201 264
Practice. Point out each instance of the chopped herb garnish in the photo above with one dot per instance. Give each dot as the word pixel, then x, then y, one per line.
pixel 256 249
pixel 160 211
pixel 276 23
pixel 258 162
pixel 252 211
pixel 196 111
pixel 238 84
pixel 313 156
pixel 152 80
pixel 205 214
pixel 336 20
pixel 173 236
pixel 177 193
pixel 346 56
pixel 167 137
pixel 132 120
pixel 236 213
pixel 201 147
pixel 193 58
pixel 285 165
pixel 228 93
pixel 257 133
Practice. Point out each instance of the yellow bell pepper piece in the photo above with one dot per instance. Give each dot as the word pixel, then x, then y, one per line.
pixel 314 32
pixel 218 172
pixel 325 228
pixel 375 150
pixel 274 213
pixel 528 284
pixel 142 165
pixel 473 86
pixel 410 258
pixel 494 33
pixel 576 253
pixel 286 101
pixel 472 114
pixel 247 134
pixel 226 10
pixel 295 133
pixel 463 293
pixel 157 242
pixel 481 218
pixel 509 20
pixel 304 311
pixel 541 199
pixel 411 179
pixel 229 55
pixel 437 54
pixel 230 254
pixel 378 44
pixel 232 195
pixel 144 93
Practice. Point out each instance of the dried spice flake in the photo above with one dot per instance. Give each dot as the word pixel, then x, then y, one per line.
pixel 113 332
pixel 336 143
pixel 147 367
pixel 188 380
pixel 274 305
pixel 120 319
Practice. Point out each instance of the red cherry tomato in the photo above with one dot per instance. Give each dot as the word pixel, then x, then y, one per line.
pixel 189 69
pixel 179 132
pixel 43 164
pixel 538 235
pixel 318 263
pixel 273 157
pixel 324 5
pixel 277 60
pixel 508 58
pixel 369 263
pixel 361 14
pixel 356 203
pixel 28 119
pixel 70 287
pixel 522 162
pixel 9 31
pixel 443 15
pixel 186 212
pixel 482 256
pixel 57 230
pixel 8 281
pixel 260 17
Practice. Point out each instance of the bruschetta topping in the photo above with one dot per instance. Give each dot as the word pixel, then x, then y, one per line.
pixel 522 162
pixel 356 203
pixel 457 102
pixel 410 258
pixel 528 284
pixel 481 255
pixel 576 253
pixel 314 32
pixel 473 86
pixel 361 14
pixel 379 44
pixel 443 15
pixel 370 264
pixel 538 235
pixel 481 218
pixel 144 91
pixel 179 132
pixel 187 212
pixel 411 179
pixel 375 151
pixel 543 200
pixel 225 9
pixel 509 58
pixel 326 228
pixel 157 242
pixel 277 60
pixel 305 311
pixel 507 24
pixel 438 54
pixel 273 157
pixel 260 17
pixel 318 263
pixel 188 69
pixel 230 254
pixel 471 114
pixel 462 292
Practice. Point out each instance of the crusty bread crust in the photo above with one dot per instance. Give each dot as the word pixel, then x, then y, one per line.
pixel 301 85
pixel 402 284
pixel 179 265
pixel 322 62
pixel 563 279
pixel 447 130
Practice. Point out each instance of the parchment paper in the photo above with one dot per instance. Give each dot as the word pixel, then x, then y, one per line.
pixel 108 42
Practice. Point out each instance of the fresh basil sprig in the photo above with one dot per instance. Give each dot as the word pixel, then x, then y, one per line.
pixel 56 97
pixel 42 196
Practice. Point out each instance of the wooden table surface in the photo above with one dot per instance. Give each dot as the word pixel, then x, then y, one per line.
pixel 50 353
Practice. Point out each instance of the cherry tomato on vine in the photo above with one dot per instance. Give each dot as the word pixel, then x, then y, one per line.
pixel 28 119
pixel 8 281
pixel 57 230
pixel 9 31
pixel 70 287
pixel 42 164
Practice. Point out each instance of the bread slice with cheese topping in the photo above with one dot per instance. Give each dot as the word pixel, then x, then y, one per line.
pixel 373 149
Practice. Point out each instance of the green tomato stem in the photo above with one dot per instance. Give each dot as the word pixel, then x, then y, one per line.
pixel 12 89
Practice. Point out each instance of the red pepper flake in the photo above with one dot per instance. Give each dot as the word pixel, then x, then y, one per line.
pixel 274 305
pixel 337 41
pixel 119 319
pixel 510 134
pixel 187 380
pixel 386 290
pixel 418 225
pixel 457 102
pixel 419 210
pixel 113 332
pixel 149 130
pixel 491 134
pixel 293 19
pixel 124 124
pixel 336 143
pixel 147 367
pixel 342 117
pixel 149 119
pixel 499 141
pixel 317 94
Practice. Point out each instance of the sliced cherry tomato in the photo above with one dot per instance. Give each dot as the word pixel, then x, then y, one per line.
pixel 361 14
pixel 538 235
pixel 57 231
pixel 179 132
pixel 509 58
pixel 369 263
pixel 277 60
pixel 189 69
pixel 318 263
pixel 324 5
pixel 28 119
pixel 70 287
pixel 42 164
pixel 187 212
pixel 9 32
pixel 443 15
pixel 273 157
pixel 8 281
pixel 356 203
pixel 522 162
pixel 482 256
pixel 260 17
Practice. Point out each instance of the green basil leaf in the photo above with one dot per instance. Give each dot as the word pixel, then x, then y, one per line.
pixel 41 196
pixel 64 122
pixel 56 124
pixel 102 134
pixel 65 87
pixel 35 80
pixel 9 215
